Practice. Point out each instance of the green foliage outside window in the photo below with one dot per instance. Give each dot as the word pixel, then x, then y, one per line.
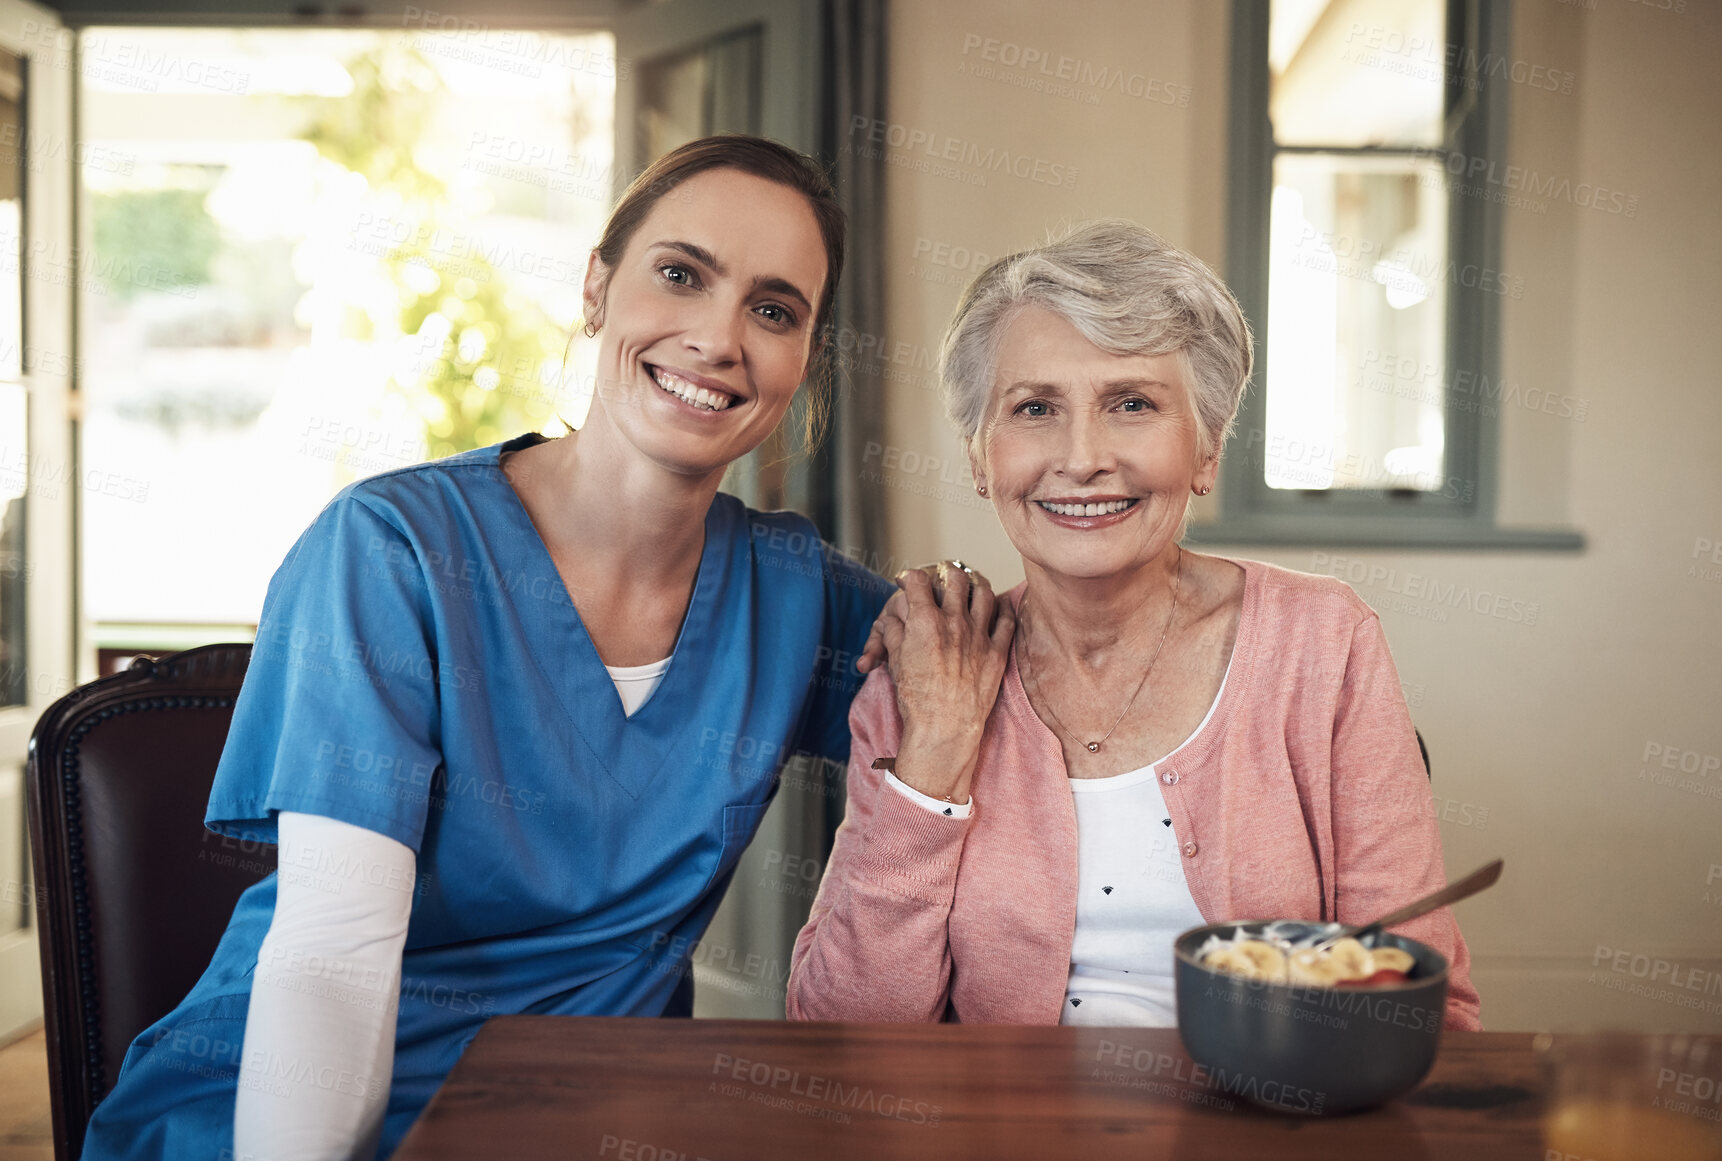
pixel 488 362
pixel 152 239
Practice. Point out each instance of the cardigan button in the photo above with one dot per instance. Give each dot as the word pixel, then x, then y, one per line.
pixel 1170 778
pixel 1190 850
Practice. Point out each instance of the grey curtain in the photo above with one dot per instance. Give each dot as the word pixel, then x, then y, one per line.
pixel 850 514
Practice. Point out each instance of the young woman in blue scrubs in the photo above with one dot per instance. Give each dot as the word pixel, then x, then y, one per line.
pixel 436 723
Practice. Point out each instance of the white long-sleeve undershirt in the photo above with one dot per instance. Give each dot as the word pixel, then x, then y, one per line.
pixel 927 801
pixel 320 1030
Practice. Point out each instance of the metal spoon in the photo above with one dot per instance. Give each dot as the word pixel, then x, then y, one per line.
pixel 1479 880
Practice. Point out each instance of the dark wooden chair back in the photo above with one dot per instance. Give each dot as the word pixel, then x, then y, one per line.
pixel 132 893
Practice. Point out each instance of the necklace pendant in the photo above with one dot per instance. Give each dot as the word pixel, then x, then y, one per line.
pixel 1094 747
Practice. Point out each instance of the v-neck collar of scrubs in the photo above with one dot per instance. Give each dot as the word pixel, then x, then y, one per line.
pixel 632 750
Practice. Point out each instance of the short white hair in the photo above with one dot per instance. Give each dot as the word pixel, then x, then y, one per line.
pixel 1129 292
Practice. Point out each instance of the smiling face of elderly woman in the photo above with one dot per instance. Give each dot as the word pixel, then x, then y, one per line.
pixel 1103 369
pixel 1089 457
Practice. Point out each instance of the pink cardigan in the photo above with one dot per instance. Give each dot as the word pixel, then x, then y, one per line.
pixel 1303 797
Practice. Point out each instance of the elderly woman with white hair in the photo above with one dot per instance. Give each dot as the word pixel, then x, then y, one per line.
pixel 1168 738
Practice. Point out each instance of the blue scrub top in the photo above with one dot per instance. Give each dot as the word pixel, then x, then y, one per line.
pixel 420 671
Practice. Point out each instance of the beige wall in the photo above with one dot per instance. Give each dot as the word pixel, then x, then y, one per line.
pixel 1543 726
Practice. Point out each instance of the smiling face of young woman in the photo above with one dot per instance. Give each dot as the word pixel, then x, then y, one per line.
pixel 1089 457
pixel 707 321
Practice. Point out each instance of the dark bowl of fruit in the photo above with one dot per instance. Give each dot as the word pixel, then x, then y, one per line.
pixel 1281 1014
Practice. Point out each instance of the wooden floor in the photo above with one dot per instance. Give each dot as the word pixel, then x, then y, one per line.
pixel 25 1131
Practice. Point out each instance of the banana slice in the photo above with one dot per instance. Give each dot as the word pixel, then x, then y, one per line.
pixel 1253 959
pixel 1269 961
pixel 1393 959
pixel 1230 960
pixel 1325 967
pixel 1313 968
pixel 1351 959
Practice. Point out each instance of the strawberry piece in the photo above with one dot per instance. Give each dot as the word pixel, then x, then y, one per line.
pixel 1384 976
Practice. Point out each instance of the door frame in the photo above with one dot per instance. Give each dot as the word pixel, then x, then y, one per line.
pixel 50 503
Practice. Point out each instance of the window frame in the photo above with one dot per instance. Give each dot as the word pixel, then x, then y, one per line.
pixel 1462 513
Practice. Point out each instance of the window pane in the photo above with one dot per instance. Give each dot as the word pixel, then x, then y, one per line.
pixel 14 569
pixel 735 64
pixel 672 103
pixel 16 895
pixel 1357 72
pixel 1357 291
pixel 13 150
pixel 318 255
pixel 14 411
pixel 710 89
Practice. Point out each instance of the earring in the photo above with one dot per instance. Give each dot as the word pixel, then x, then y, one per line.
pixel 589 330
pixel 981 488
pixel 1203 491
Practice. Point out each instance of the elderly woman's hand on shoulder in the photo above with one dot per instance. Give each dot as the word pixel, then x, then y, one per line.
pixel 947 647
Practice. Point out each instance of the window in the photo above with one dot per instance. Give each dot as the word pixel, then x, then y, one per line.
pixel 1373 285
pixel 321 253
pixel 317 255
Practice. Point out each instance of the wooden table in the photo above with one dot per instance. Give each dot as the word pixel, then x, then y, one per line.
pixel 534 1087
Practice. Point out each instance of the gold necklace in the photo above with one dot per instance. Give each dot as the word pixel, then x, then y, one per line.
pixel 1094 746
